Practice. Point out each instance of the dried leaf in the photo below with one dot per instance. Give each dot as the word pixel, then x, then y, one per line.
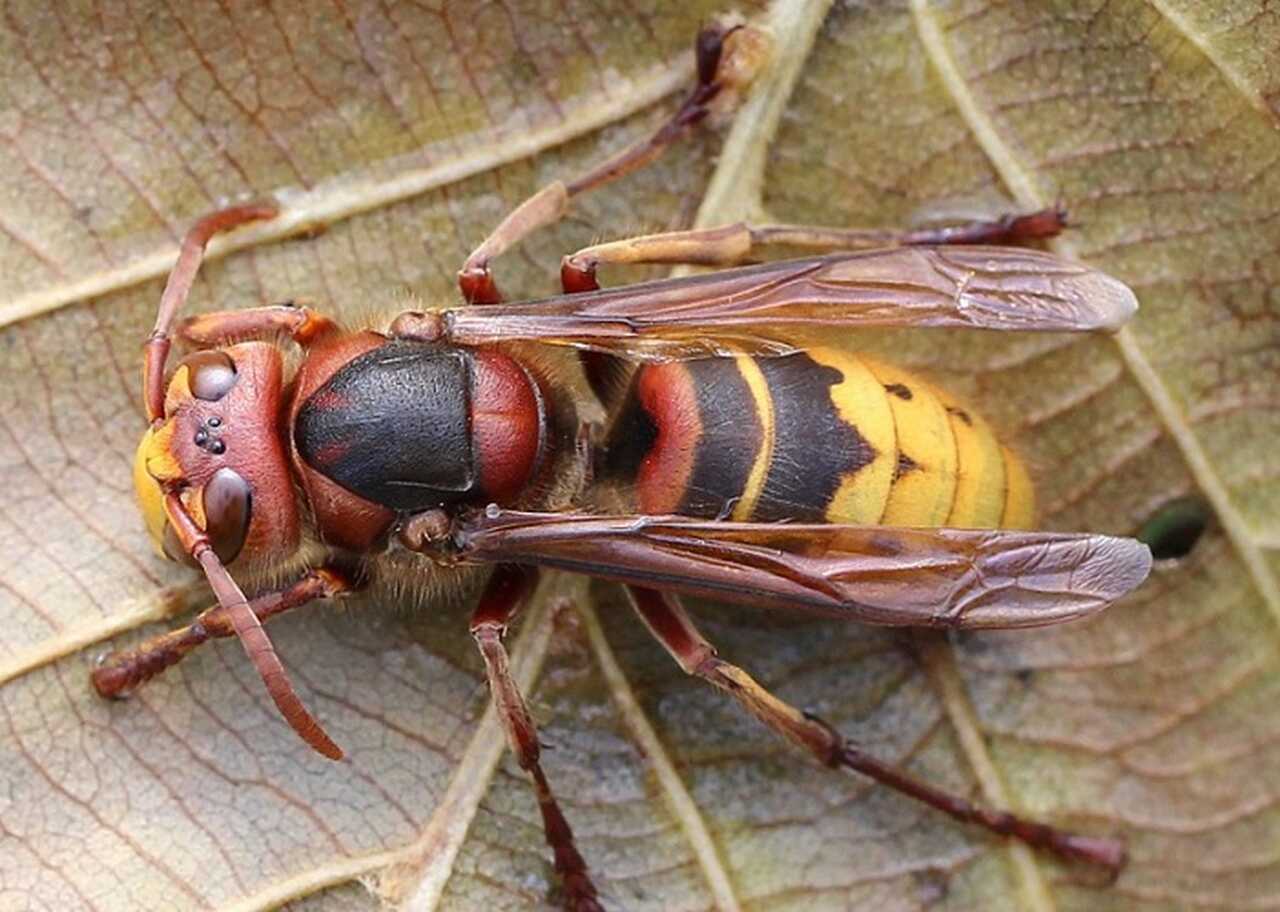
pixel 390 125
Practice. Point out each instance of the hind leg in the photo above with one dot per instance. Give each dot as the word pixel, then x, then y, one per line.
pixel 665 617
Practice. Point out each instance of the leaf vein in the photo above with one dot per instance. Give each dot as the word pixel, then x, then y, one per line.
pixel 1238 80
pixel 339 199
pixel 679 801
pixel 1022 185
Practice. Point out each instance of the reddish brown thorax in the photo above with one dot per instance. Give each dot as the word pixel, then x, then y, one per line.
pixel 471 421
pixel 386 427
pixel 508 425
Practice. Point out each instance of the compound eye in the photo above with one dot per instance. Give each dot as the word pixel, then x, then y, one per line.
pixel 227 504
pixel 210 374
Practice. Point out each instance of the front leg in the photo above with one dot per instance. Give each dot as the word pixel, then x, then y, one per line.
pixel 178 287
pixel 122 672
pixel 292 318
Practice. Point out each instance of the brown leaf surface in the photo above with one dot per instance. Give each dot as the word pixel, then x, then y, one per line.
pixel 393 123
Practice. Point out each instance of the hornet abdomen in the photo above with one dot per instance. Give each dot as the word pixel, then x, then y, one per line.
pixel 820 436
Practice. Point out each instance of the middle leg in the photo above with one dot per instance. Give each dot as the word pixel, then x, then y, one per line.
pixel 730 245
pixel 502 599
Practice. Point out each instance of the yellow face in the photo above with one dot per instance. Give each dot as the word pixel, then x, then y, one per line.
pixel 152 463
pixel 155 464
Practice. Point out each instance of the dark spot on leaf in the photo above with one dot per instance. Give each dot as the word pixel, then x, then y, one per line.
pixel 898 389
pixel 1173 530
pixel 905 464
pixel 961 414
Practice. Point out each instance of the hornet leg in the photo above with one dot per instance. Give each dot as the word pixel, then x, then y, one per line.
pixel 122 672
pixel 726 59
pixel 178 287
pixel 500 602
pixel 730 245
pixel 665 617
pixel 295 320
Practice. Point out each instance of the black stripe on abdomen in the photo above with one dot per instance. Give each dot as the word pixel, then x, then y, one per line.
pixel 731 438
pixel 814 449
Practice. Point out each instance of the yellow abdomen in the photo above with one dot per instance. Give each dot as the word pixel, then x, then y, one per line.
pixel 948 469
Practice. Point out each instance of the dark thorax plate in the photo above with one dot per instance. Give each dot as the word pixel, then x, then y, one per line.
pixel 393 426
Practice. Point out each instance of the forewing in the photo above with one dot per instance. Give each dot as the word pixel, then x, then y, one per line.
pixel 876 575
pixel 760 308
